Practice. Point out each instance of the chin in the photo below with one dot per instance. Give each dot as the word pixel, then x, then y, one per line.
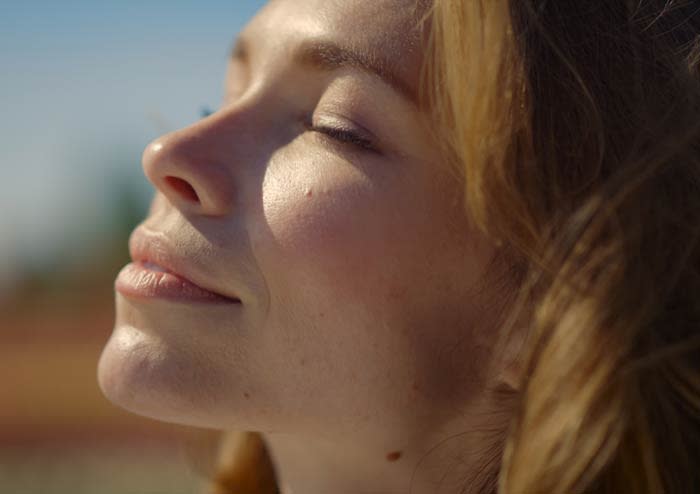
pixel 154 365
pixel 143 372
pixel 135 373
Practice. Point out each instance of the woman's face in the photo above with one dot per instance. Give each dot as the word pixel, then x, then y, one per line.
pixel 315 197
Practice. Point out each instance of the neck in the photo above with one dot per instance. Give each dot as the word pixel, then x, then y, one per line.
pixel 460 461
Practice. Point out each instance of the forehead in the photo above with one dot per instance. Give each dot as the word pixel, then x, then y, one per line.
pixel 355 18
pixel 391 28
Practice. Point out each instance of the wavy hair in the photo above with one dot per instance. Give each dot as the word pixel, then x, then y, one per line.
pixel 575 128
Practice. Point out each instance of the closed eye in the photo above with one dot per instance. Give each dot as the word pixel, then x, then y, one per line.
pixel 344 136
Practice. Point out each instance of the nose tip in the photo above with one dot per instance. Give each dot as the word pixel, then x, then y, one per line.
pixel 190 179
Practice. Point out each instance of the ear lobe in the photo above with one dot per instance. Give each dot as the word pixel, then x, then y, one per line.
pixel 511 377
pixel 511 353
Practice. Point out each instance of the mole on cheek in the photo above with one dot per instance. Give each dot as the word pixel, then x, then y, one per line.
pixel 393 456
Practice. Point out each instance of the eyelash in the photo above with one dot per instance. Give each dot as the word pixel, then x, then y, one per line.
pixel 343 136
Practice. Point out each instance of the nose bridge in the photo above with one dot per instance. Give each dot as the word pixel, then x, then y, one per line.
pixel 195 167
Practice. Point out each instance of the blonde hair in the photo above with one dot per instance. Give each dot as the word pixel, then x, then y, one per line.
pixel 575 127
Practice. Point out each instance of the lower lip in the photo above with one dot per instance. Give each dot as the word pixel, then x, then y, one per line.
pixel 137 280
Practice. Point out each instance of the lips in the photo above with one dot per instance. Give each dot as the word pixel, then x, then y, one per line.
pixel 157 271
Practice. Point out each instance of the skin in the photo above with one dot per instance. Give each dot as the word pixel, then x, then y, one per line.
pixel 364 337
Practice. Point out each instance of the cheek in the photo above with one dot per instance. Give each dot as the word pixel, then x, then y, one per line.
pixel 336 232
pixel 362 287
pixel 331 256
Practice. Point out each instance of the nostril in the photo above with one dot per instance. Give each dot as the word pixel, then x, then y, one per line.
pixel 183 188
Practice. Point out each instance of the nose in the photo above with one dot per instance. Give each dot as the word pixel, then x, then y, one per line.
pixel 185 167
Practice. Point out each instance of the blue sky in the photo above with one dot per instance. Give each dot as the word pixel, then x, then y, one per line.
pixel 84 86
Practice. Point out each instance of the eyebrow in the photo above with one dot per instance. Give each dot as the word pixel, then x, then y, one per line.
pixel 328 56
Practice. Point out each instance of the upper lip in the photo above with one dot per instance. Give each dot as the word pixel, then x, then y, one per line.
pixel 146 246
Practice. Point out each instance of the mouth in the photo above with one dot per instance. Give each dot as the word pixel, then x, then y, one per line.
pixel 157 273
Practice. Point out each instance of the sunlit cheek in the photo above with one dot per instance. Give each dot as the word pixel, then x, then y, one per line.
pixel 331 221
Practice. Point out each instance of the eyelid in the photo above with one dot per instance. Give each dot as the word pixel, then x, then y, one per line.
pixel 344 131
pixel 345 137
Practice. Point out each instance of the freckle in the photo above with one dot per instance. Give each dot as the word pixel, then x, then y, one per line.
pixel 247 395
pixel 393 456
pixel 308 193
pixel 302 362
pixel 415 386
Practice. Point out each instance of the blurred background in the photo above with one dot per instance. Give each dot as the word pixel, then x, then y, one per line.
pixel 84 86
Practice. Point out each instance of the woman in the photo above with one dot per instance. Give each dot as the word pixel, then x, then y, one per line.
pixel 444 246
